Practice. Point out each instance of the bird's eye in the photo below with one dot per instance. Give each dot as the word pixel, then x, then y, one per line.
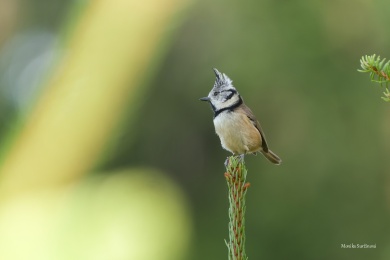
pixel 215 93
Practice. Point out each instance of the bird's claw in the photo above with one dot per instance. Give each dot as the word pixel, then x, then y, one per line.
pixel 226 163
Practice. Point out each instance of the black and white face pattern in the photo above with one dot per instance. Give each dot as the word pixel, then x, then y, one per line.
pixel 223 94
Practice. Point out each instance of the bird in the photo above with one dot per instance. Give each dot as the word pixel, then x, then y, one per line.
pixel 235 124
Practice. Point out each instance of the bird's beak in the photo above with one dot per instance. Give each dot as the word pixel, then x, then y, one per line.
pixel 205 99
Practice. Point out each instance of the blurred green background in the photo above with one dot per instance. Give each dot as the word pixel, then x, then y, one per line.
pixel 295 64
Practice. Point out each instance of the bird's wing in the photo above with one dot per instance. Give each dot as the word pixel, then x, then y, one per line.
pixel 256 124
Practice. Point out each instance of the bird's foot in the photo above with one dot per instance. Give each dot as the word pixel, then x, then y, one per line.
pixel 239 157
pixel 226 163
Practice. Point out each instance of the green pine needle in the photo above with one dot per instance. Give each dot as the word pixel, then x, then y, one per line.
pixel 379 71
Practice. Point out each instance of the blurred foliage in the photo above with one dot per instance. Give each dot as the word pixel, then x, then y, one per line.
pixel 127 214
pixel 69 99
pixel 294 64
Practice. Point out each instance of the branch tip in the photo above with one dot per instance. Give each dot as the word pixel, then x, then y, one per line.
pixel 378 68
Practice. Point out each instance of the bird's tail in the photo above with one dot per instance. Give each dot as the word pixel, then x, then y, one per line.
pixel 272 157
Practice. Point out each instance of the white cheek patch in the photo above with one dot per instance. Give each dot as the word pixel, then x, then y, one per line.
pixel 230 101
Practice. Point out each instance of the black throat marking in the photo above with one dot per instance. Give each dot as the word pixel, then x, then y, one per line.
pixel 229 108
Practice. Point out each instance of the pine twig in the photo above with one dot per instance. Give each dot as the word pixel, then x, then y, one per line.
pixel 236 180
pixel 379 71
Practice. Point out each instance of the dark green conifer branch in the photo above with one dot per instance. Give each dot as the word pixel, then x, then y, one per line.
pixel 236 180
pixel 379 71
